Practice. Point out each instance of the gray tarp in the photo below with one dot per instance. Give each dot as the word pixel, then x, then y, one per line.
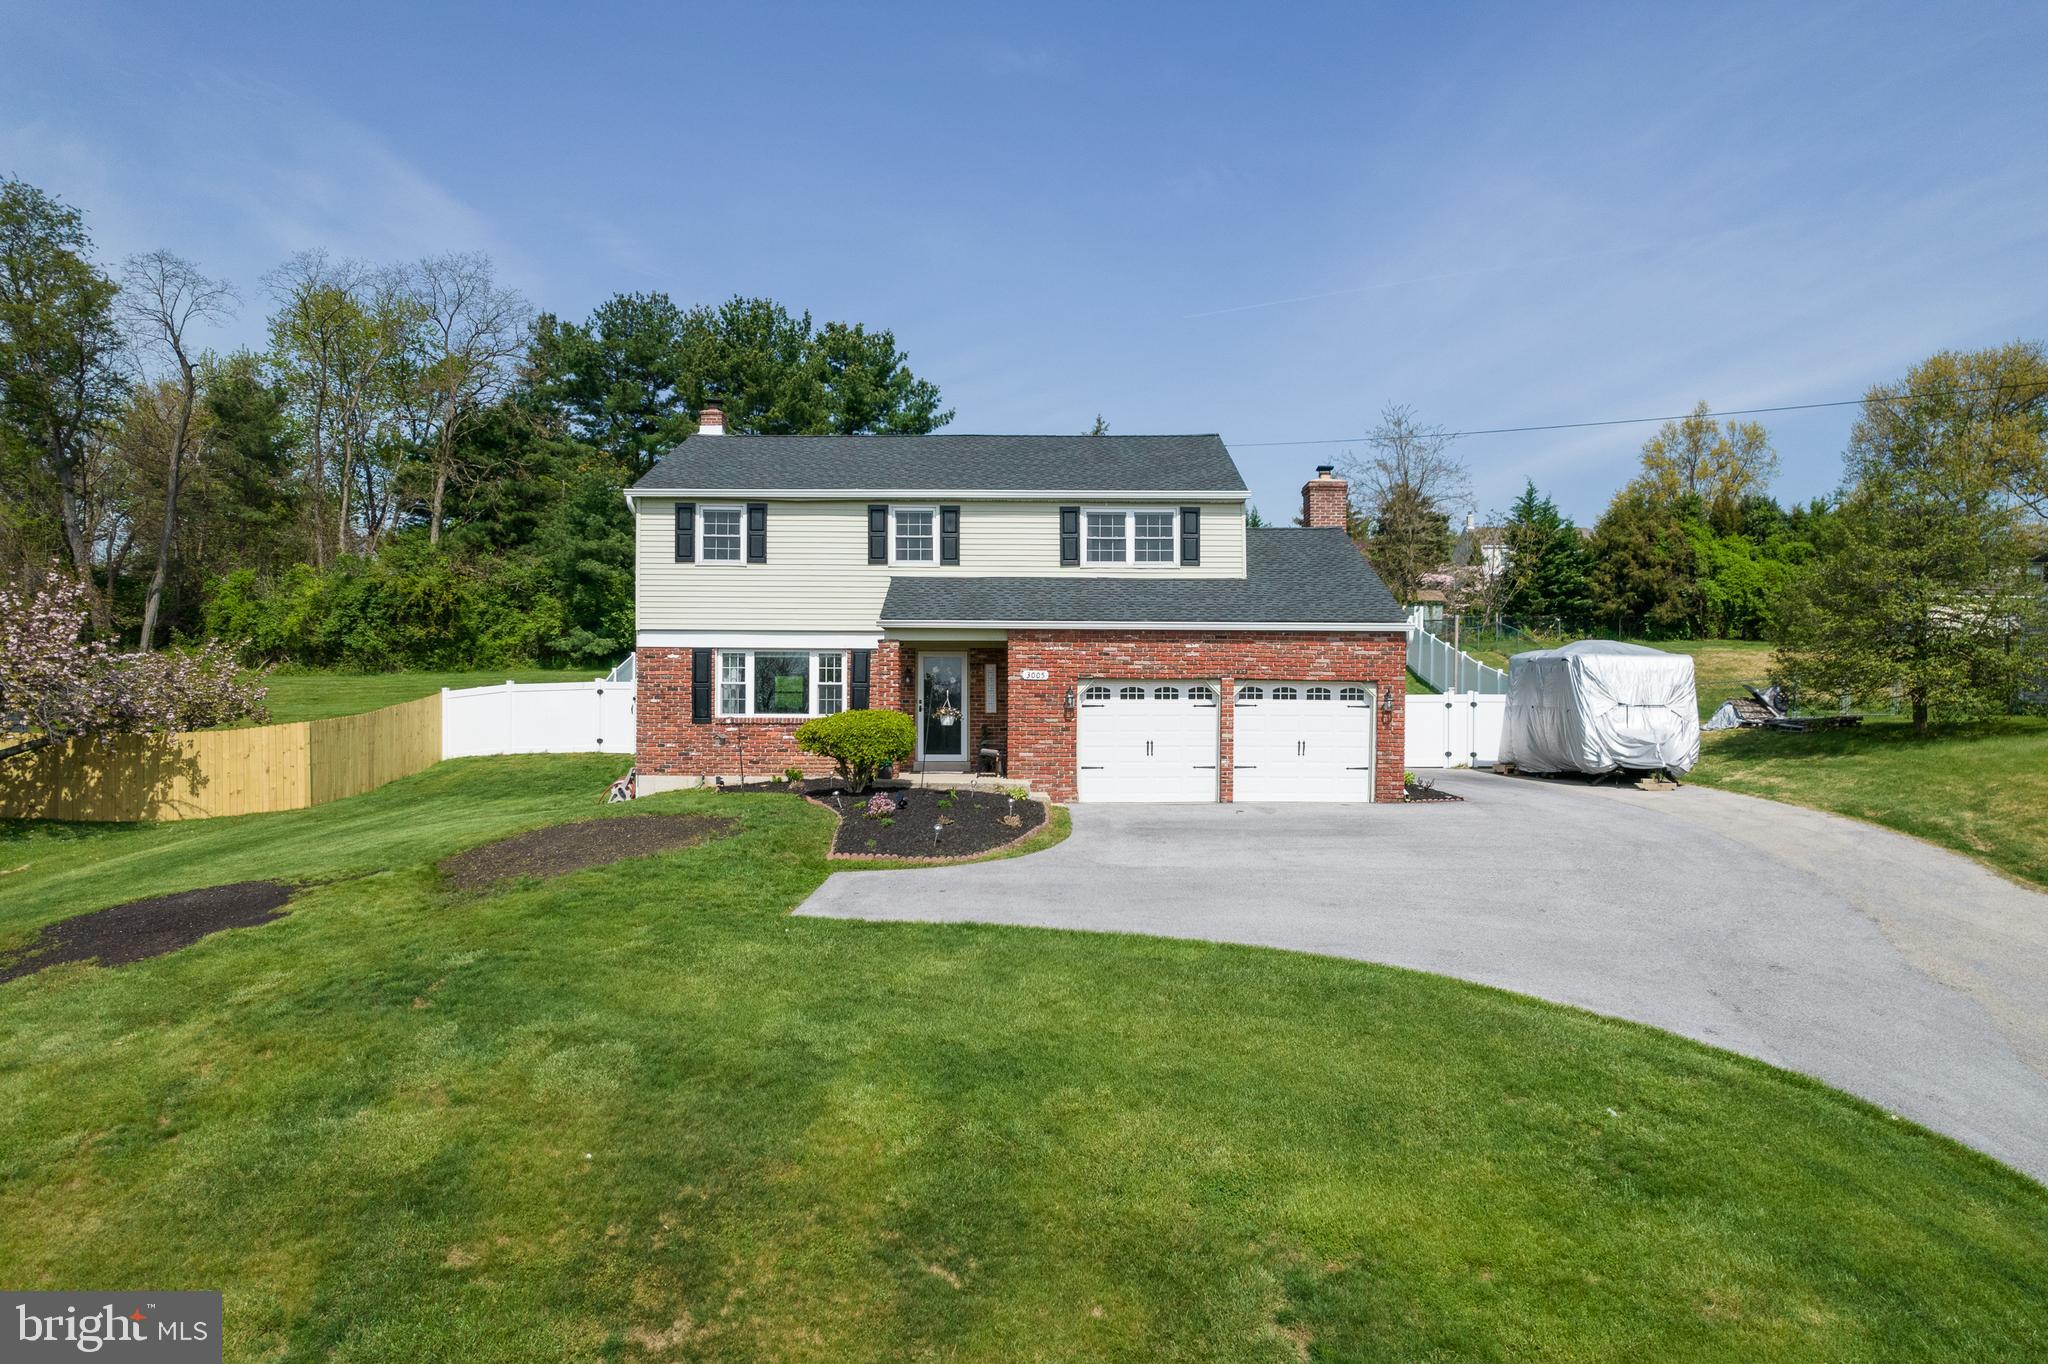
pixel 1596 706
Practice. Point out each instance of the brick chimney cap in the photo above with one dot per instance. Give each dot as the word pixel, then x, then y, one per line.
pixel 1325 470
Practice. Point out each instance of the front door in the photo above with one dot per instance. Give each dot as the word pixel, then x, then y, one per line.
pixel 942 706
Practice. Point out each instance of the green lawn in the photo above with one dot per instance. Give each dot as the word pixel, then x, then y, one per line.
pixel 1979 788
pixel 318 696
pixel 640 1112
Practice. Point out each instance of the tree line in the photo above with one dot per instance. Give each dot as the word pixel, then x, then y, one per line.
pixel 417 469
pixel 1922 576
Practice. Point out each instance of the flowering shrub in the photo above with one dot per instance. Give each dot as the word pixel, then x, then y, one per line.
pixel 55 683
pixel 880 805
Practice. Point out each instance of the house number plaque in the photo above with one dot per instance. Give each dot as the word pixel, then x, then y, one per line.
pixel 1034 675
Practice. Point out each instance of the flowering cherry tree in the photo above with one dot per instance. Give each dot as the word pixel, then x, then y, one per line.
pixel 55 684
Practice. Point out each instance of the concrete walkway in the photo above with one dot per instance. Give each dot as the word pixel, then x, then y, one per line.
pixel 1890 968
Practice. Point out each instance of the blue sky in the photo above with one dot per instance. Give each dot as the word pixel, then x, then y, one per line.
pixel 1266 221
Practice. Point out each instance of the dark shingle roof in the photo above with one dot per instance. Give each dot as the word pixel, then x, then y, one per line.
pixel 963 464
pixel 1309 577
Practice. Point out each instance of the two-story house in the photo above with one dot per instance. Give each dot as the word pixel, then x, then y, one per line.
pixel 1091 610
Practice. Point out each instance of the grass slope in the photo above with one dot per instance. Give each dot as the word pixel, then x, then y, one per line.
pixel 1980 788
pixel 1720 666
pixel 319 696
pixel 641 1112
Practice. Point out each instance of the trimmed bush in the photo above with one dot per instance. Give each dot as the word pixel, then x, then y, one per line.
pixel 861 742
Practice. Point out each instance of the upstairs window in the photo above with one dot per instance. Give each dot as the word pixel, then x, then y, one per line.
pixel 913 536
pixel 1150 537
pixel 1106 540
pixel 721 534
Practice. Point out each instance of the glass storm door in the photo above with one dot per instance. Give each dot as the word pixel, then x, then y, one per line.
pixel 942 705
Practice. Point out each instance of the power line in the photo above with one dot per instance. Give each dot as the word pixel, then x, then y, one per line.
pixel 1627 421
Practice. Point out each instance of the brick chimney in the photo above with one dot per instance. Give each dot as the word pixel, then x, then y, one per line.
pixel 1325 499
pixel 710 420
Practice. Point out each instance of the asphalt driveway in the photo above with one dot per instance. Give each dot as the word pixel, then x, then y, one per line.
pixel 1890 968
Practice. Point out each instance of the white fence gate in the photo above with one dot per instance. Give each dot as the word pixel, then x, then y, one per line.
pixel 1457 729
pixel 538 717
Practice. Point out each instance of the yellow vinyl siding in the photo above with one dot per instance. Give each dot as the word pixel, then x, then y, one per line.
pixel 818 576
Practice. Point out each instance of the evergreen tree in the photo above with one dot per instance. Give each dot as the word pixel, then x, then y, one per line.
pixel 1547 564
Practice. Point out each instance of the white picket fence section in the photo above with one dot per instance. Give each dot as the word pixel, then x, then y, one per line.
pixel 1456 729
pixel 1446 668
pixel 538 717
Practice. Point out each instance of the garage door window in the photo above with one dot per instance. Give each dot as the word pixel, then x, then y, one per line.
pixel 1096 693
pixel 1131 694
pixel 1318 694
pixel 1352 694
pixel 1251 693
pixel 1200 693
pixel 1286 694
pixel 1166 693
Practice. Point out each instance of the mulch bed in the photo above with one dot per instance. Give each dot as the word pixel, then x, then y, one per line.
pixel 562 848
pixel 971 822
pixel 150 928
pixel 1417 794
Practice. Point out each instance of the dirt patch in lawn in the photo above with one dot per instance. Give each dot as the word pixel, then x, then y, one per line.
pixel 149 928
pixel 562 848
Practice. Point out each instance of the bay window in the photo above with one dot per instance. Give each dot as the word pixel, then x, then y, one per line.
pixel 780 682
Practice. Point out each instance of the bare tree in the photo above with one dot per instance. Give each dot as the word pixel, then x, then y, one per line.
pixel 162 298
pixel 339 339
pixel 1407 490
pixel 472 331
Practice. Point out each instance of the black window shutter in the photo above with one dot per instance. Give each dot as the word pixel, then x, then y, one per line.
pixel 878 534
pixel 857 680
pixel 1191 535
pixel 1070 535
pixel 949 535
pixel 700 686
pixel 757 532
pixel 686 532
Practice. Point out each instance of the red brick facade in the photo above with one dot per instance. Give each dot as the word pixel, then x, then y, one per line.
pixel 1031 724
pixel 1042 729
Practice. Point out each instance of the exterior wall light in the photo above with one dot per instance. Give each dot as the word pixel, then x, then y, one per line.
pixel 1386 705
pixel 1070 700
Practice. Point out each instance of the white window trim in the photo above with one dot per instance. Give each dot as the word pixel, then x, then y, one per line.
pixel 932 562
pixel 739 560
pixel 810 711
pixel 1130 516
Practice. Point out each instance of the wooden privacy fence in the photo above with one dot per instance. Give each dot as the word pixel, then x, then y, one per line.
pixel 222 771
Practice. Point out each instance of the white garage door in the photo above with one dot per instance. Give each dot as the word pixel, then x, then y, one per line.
pixel 1147 741
pixel 1303 741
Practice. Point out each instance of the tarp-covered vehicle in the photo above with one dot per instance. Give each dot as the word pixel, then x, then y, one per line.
pixel 1597 706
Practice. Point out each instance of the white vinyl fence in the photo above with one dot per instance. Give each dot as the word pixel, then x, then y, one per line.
pixel 1446 668
pixel 1456 729
pixel 538 717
